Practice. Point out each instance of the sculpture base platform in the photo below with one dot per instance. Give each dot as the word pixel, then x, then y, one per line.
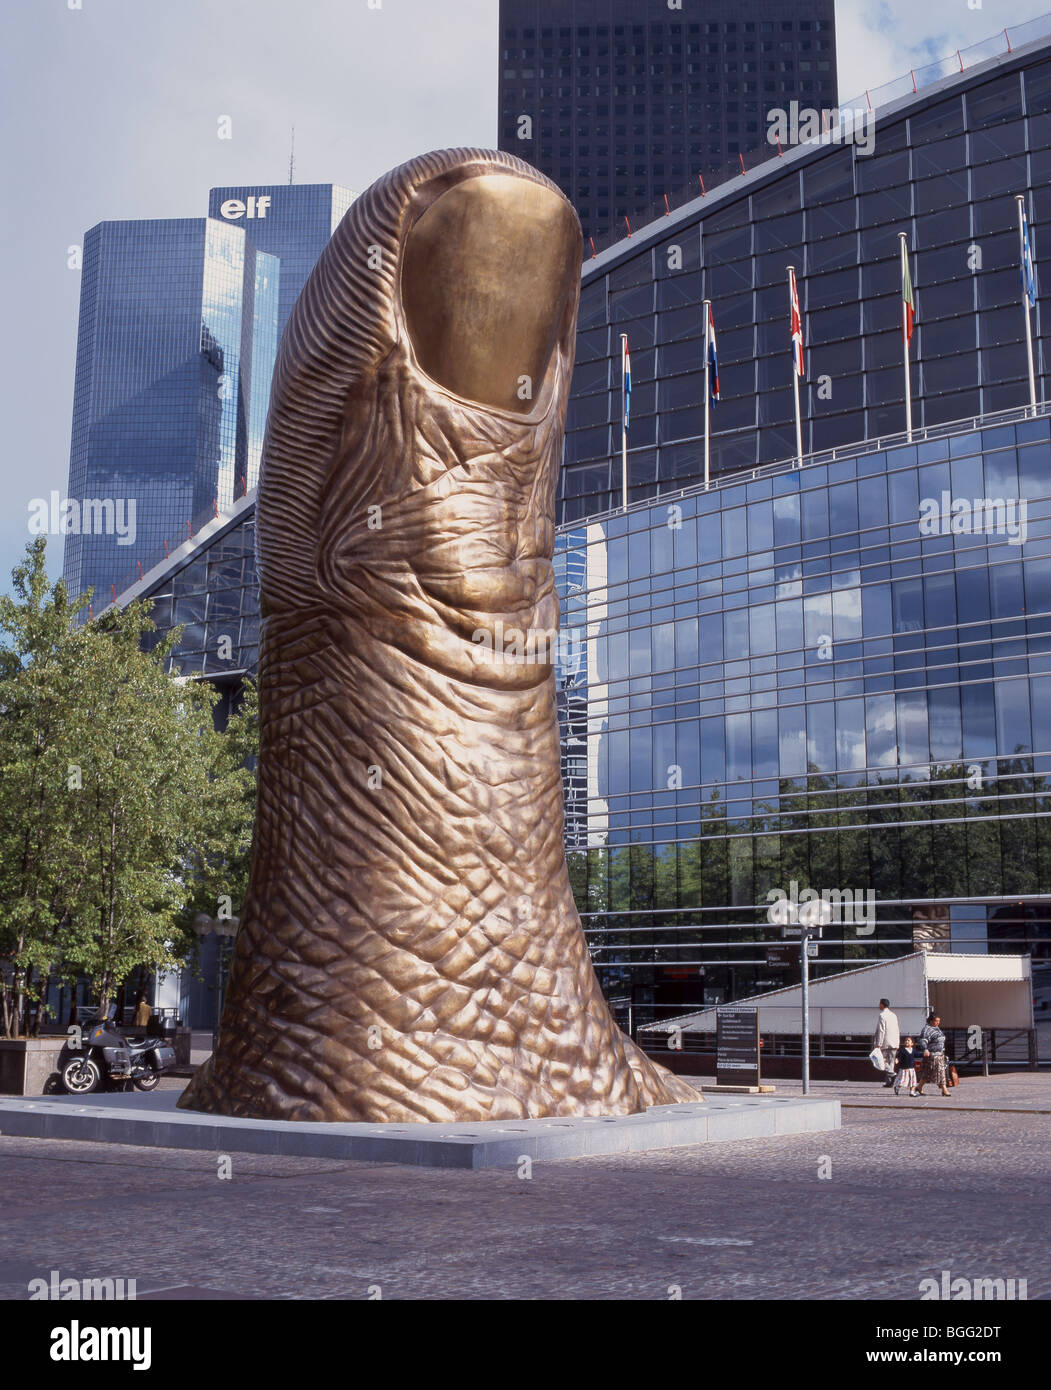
pixel 153 1120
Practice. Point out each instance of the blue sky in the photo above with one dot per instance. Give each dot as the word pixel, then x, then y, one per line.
pixel 110 111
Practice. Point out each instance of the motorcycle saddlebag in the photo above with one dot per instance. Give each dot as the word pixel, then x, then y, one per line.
pixel 118 1059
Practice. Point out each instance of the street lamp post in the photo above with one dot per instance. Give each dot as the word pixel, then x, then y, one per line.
pixel 814 916
pixel 806 921
pixel 224 931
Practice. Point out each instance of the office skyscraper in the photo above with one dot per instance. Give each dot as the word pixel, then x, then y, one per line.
pixel 621 101
pixel 179 325
pixel 178 330
pixel 290 221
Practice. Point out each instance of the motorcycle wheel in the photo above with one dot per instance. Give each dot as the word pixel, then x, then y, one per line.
pixel 81 1076
pixel 147 1082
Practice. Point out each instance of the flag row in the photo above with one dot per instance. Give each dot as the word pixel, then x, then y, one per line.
pixel 908 324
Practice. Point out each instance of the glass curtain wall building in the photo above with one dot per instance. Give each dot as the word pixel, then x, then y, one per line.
pixel 621 101
pixel 179 325
pixel 944 167
pixel 290 221
pixel 812 677
pixel 178 333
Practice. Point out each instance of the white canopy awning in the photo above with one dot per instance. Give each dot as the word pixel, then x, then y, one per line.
pixel 993 991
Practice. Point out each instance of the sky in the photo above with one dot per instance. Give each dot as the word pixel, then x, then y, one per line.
pixel 110 109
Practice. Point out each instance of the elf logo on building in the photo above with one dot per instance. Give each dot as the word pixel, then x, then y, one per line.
pixel 253 206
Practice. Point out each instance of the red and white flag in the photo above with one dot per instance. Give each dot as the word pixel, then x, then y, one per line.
pixel 797 328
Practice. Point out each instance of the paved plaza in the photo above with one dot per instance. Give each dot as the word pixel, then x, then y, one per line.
pixel 912 1189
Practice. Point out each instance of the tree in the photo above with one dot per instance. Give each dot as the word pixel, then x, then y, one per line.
pixel 39 671
pixel 143 803
pixel 218 863
pixel 119 802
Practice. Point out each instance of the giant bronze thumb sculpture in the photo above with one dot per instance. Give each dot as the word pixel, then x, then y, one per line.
pixel 409 948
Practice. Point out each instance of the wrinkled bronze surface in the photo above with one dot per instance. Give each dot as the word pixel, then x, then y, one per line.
pixel 409 947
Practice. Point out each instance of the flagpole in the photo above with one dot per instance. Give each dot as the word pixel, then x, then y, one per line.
pixel 795 371
pixel 905 337
pixel 623 423
pixel 706 305
pixel 1020 200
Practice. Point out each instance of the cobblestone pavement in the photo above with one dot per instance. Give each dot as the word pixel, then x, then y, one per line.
pixel 909 1193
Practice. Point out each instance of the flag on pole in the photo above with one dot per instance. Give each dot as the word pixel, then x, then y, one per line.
pixel 797 330
pixel 1028 276
pixel 909 317
pixel 713 359
pixel 627 385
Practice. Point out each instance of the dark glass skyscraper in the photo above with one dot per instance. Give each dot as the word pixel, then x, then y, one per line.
pixel 178 331
pixel 621 101
pixel 179 324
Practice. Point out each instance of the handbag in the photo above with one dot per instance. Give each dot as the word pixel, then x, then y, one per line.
pixel 952 1076
pixel 876 1058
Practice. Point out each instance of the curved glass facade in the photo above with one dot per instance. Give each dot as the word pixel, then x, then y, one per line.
pixel 944 167
pixel 812 677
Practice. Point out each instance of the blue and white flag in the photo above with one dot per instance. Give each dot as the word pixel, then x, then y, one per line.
pixel 1028 275
pixel 713 359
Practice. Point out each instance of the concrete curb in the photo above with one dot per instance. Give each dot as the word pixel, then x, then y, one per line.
pixel 153 1120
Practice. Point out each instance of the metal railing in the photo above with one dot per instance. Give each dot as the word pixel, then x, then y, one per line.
pixel 1013 1048
pixel 862 448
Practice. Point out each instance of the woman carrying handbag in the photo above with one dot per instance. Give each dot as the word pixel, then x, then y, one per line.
pixel 932 1040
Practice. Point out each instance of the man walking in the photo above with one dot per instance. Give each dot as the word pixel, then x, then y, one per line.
pixel 887 1039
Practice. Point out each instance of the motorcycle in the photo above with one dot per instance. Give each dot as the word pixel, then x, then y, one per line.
pixel 106 1060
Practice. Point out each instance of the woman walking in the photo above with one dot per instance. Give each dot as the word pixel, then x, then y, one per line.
pixel 906 1062
pixel 932 1040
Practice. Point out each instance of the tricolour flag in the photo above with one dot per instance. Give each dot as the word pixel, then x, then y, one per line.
pixel 797 330
pixel 627 385
pixel 1028 276
pixel 713 359
pixel 909 315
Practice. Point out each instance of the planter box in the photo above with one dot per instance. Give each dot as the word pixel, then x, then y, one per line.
pixel 26 1064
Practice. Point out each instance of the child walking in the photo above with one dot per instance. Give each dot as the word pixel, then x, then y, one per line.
pixel 906 1061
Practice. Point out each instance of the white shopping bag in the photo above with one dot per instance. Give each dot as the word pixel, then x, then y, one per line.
pixel 876 1058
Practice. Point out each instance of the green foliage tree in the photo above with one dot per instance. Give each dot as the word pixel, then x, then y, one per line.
pixel 217 868
pixel 119 802
pixel 39 666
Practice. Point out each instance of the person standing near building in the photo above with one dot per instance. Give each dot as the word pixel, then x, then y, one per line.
pixel 932 1040
pixel 142 1013
pixel 887 1039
